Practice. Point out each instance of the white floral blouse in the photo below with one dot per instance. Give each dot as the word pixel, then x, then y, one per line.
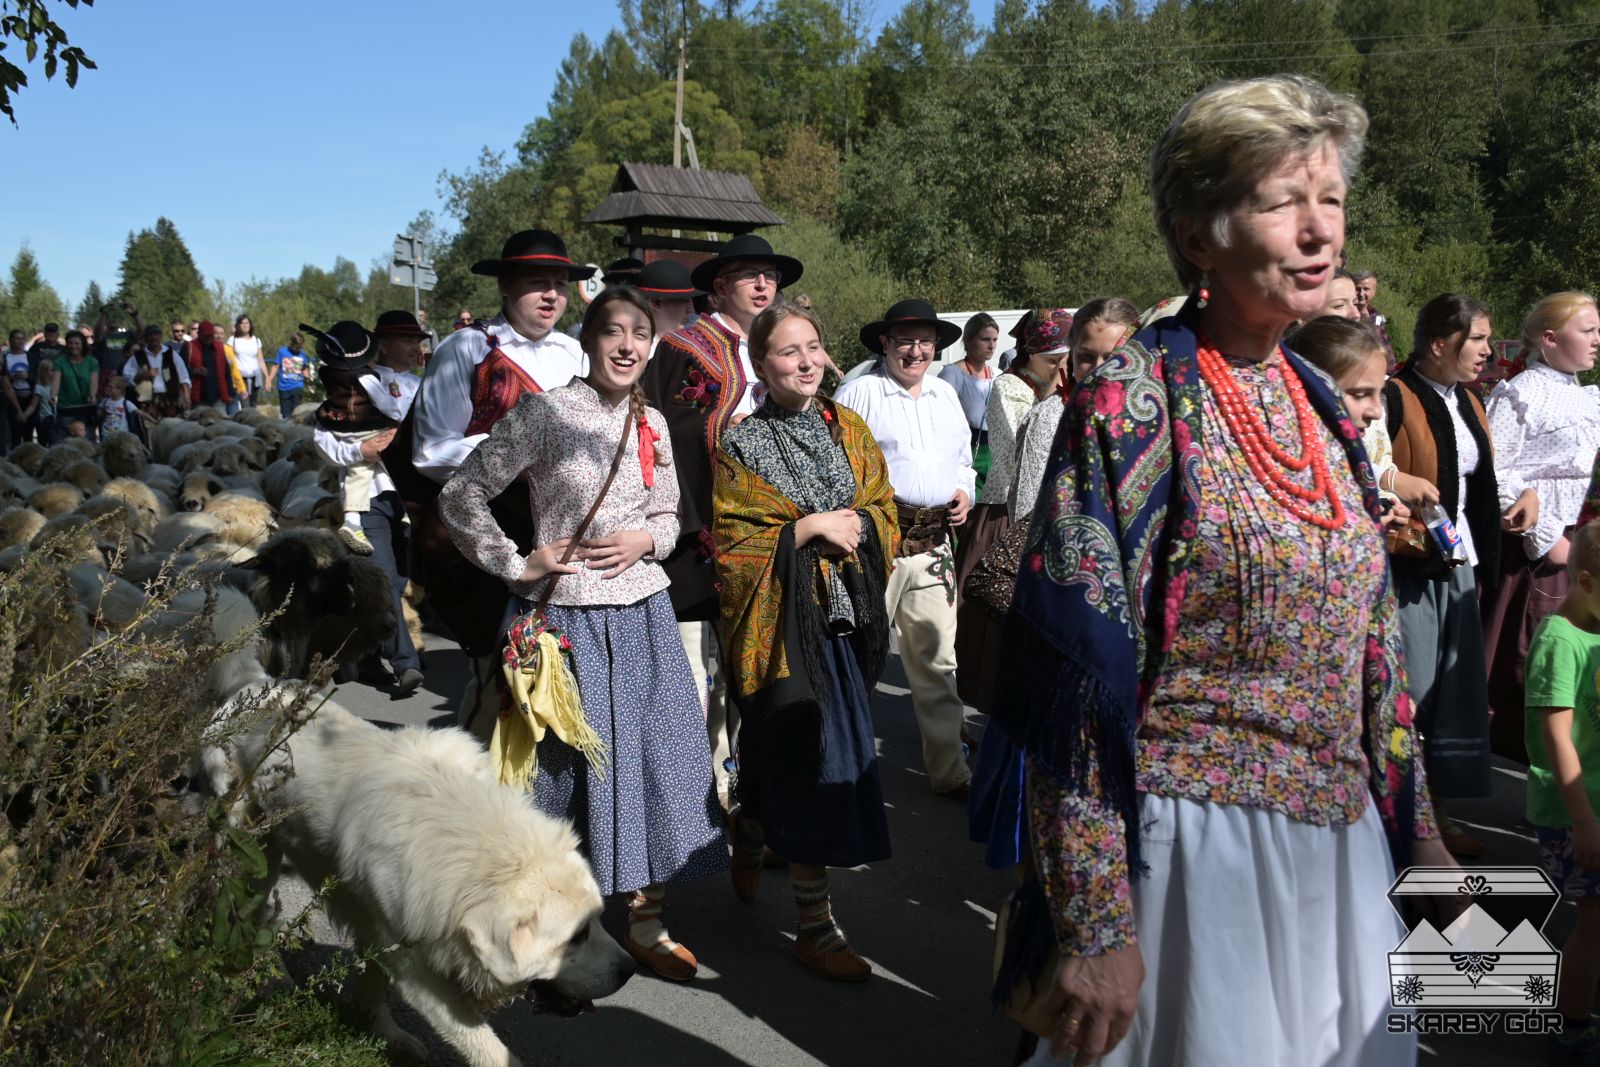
pixel 1546 431
pixel 1009 399
pixel 563 442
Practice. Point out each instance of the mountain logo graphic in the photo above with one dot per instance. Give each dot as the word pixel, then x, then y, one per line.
pixel 1491 955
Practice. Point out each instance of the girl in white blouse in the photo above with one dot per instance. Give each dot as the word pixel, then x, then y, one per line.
pixel 247 354
pixel 648 815
pixel 1546 430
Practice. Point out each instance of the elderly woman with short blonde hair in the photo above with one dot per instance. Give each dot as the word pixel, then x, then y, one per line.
pixel 1202 661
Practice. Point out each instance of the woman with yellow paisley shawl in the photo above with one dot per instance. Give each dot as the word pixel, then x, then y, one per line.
pixel 805 533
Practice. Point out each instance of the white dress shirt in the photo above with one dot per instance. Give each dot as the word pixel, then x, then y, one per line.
pixel 925 438
pixel 391 391
pixel 754 392
pixel 444 402
pixel 1546 430
pixel 180 363
pixel 1466 463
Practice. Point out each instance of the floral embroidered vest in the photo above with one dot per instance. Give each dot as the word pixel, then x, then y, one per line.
pixel 497 384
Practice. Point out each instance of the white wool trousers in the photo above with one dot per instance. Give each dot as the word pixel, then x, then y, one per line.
pixel 722 719
pixel 920 609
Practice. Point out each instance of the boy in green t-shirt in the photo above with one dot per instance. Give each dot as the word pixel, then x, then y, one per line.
pixel 1563 736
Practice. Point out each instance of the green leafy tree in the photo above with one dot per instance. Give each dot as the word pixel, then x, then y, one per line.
pixel 31 24
pixel 25 276
pixel 93 300
pixel 803 178
pixel 654 27
pixel 159 277
pixel 922 45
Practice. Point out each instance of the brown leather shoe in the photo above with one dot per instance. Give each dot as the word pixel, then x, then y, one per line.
pixel 841 964
pixel 666 959
pixel 745 870
pixel 1459 843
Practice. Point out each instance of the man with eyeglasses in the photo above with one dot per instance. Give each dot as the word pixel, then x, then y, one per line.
pixel 475 377
pixel 702 381
pixel 918 422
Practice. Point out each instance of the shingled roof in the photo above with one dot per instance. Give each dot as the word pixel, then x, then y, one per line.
pixel 651 194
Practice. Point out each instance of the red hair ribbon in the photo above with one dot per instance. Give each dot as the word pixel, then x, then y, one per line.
pixel 647 453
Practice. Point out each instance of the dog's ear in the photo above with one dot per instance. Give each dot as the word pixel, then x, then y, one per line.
pixel 503 943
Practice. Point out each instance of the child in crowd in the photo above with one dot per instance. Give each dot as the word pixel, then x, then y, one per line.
pixel 116 408
pixel 78 428
pixel 1352 354
pixel 1562 731
pixel 363 400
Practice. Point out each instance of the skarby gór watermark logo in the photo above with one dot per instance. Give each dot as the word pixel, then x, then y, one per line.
pixel 1488 968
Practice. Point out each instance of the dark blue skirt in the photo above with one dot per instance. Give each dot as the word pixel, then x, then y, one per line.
pixel 821 803
pixel 651 815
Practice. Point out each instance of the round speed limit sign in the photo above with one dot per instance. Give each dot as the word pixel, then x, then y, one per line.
pixel 591 286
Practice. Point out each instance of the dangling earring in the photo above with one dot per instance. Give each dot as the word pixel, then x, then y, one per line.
pixel 1203 294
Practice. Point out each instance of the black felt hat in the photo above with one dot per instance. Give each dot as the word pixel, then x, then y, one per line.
pixel 622 270
pixel 666 279
pixel 746 246
pixel 532 248
pixel 398 324
pixel 345 346
pixel 905 313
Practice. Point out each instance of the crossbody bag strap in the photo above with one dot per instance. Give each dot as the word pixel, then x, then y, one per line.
pixel 594 509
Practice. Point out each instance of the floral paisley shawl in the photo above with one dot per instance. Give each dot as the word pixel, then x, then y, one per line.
pixel 1104 572
pixel 756 557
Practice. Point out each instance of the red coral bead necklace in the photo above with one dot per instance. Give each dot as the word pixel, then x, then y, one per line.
pixel 1269 461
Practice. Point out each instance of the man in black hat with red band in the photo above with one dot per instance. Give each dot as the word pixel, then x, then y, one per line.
pixel 476 376
pixel 918 422
pixel 669 289
pixel 701 379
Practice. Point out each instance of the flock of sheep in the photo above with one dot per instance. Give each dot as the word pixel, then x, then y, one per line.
pixel 244 505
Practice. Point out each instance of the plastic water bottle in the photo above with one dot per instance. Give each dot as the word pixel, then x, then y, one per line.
pixel 1445 535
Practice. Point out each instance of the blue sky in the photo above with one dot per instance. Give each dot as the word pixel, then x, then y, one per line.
pixel 308 130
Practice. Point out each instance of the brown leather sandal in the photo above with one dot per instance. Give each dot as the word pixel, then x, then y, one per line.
pixel 838 964
pixel 665 959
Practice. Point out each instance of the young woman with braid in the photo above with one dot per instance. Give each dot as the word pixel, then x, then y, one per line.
pixel 647 812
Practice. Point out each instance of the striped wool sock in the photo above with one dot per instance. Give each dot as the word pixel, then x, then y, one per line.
pixel 816 913
pixel 644 917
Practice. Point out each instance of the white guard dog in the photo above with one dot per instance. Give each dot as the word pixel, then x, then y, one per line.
pixel 484 897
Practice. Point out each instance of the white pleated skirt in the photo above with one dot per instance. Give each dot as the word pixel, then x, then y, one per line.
pixel 1265 942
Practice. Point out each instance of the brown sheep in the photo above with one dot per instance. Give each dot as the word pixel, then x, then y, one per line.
pixel 55 499
pixel 184 531
pixel 255 418
pixel 15 491
pixel 310 504
pixel 198 487
pixel 204 416
pixel 169 435
pixel 228 459
pixel 71 537
pixel 150 504
pixel 18 526
pixel 87 475
pixel 123 454
pixel 113 603
pixel 58 458
pixel 246 518
pixel 192 457
pixel 164 480
pixel 256 452
pixel 28 456
pixel 274 435
pixel 122 530
pixel 228 429
pixel 337 604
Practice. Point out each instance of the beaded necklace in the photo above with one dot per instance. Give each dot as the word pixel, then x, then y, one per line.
pixel 1272 464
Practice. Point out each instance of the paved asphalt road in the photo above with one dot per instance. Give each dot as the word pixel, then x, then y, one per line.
pixel 924 919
